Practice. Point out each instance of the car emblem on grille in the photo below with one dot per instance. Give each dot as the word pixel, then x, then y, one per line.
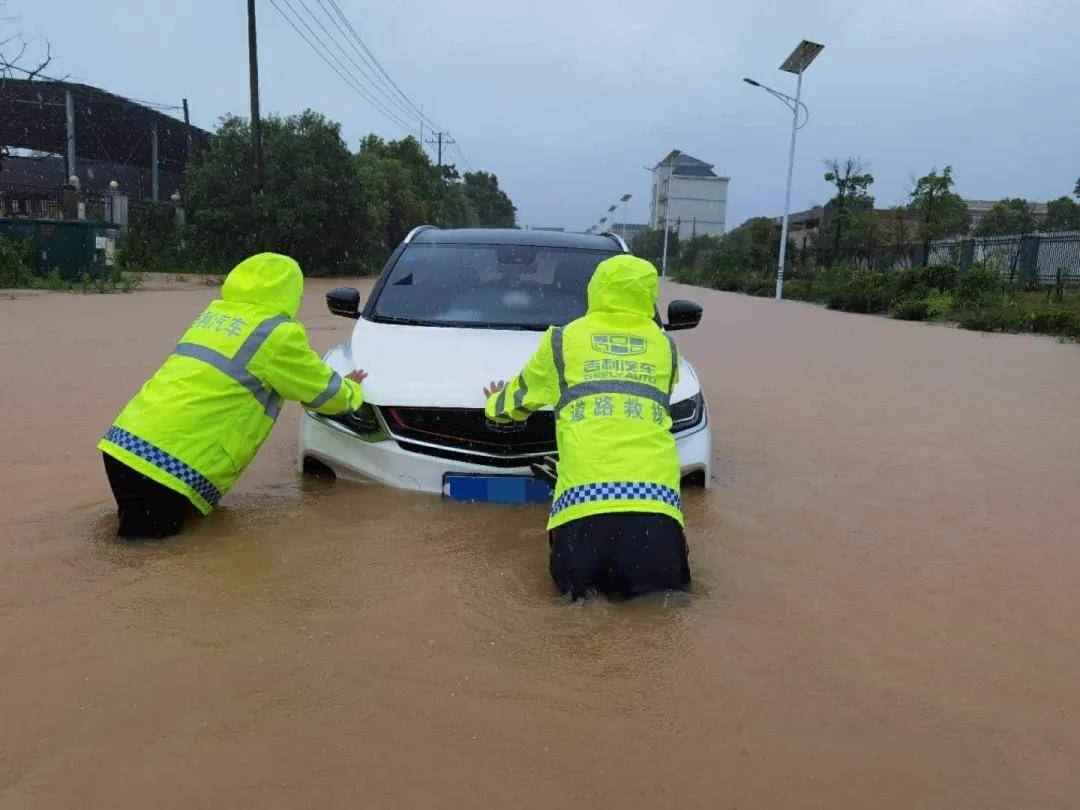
pixel 508 427
pixel 619 344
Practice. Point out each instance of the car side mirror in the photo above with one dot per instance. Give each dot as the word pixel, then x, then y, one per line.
pixel 344 301
pixel 683 315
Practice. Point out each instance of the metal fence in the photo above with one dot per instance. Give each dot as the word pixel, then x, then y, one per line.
pixel 21 205
pixel 1041 261
pixel 24 206
pixel 1036 262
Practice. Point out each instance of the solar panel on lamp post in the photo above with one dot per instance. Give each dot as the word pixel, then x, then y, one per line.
pixel 805 53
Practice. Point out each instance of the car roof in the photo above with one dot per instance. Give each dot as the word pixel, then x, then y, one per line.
pixel 515 236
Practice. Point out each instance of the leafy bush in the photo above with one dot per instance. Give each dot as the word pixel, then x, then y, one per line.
pixel 1057 321
pixel 975 284
pixel 997 316
pixel 16 262
pixel 151 243
pixel 856 290
pixel 911 309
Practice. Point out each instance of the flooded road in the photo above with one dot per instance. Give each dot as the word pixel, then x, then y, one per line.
pixel 886 610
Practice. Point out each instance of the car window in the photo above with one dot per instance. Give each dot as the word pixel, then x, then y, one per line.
pixel 515 286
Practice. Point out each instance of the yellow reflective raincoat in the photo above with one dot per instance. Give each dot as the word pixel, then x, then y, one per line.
pixel 609 376
pixel 197 423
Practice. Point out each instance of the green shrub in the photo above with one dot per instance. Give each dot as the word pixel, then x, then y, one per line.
pixel 15 263
pixel 855 290
pixel 911 309
pixel 1057 321
pixel 996 316
pixel 761 286
pixel 941 277
pixel 975 284
pixel 799 289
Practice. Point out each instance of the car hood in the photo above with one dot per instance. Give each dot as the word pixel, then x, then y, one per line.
pixel 442 366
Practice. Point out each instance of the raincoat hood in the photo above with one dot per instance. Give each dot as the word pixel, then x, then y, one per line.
pixel 267 280
pixel 624 283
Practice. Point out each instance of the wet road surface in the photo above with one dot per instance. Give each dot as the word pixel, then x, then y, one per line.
pixel 885 612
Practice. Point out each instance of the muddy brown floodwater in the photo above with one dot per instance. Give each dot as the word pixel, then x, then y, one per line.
pixel 886 610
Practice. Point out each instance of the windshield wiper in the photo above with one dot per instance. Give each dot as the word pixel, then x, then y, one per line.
pixel 404 321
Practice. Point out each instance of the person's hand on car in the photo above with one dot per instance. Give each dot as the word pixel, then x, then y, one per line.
pixel 357 376
pixel 494 388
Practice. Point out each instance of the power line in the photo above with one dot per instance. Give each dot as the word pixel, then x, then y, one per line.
pixel 322 54
pixel 378 65
pixel 364 70
pixel 353 82
pixel 366 54
pixel 457 146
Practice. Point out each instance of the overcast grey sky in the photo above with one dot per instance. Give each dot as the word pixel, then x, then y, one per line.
pixel 566 100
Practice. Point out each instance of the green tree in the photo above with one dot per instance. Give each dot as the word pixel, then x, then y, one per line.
pixel 1076 189
pixel 493 207
pixel 1008 217
pixel 1062 214
pixel 938 211
pixel 310 207
pixel 756 244
pixel 650 245
pixel 845 215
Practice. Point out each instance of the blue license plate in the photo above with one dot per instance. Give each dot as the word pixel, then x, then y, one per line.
pixel 495 488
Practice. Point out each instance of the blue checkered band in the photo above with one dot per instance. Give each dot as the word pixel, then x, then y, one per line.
pixel 165 461
pixel 617 491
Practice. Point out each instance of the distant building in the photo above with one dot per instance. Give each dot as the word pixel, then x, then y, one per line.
pixel 689 195
pixel 629 230
pixel 802 225
pixel 978 208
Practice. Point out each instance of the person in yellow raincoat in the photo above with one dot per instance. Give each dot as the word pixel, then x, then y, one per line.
pixel 188 434
pixel 616 522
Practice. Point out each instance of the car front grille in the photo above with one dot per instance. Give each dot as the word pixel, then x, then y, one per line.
pixel 467 429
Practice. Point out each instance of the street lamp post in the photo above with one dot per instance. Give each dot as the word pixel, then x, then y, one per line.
pixel 624 199
pixel 804 53
pixel 667 213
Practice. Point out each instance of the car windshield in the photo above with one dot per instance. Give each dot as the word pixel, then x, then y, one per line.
pixel 492 286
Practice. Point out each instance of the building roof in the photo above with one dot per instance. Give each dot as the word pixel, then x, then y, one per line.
pixel 108 127
pixel 684 165
pixel 982 206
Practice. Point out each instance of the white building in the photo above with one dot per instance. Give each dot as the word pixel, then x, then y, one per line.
pixel 690 195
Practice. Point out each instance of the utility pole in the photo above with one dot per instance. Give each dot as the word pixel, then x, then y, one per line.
pixel 153 162
pixel 69 103
pixel 667 213
pixel 441 139
pixel 187 129
pixel 253 76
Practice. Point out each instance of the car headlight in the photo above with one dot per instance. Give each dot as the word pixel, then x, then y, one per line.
pixel 363 420
pixel 362 423
pixel 687 413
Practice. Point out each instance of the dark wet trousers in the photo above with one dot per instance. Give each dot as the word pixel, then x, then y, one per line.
pixel 620 554
pixel 145 507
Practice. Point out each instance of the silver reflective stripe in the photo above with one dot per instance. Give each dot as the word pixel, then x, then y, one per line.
pixel 236 366
pixel 328 393
pixel 273 407
pixel 674 364
pixel 500 402
pixel 255 340
pixel 223 364
pixel 519 395
pixel 633 389
pixel 558 358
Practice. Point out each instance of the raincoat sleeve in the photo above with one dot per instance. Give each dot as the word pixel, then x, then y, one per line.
pixel 536 386
pixel 296 373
